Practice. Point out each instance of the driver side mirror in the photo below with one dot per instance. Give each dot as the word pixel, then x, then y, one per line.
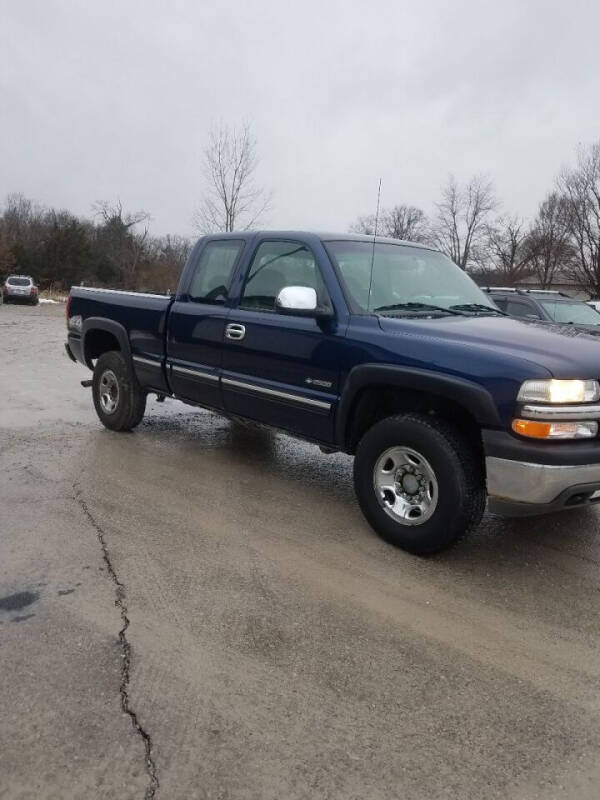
pixel 301 301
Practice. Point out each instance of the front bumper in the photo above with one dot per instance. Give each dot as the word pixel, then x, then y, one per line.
pixel 529 477
pixel 518 488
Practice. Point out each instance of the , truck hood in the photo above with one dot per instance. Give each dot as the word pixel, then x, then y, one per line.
pixel 563 350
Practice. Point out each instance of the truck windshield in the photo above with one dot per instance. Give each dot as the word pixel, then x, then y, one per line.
pixel 575 312
pixel 410 280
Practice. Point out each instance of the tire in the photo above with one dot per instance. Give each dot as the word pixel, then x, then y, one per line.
pixel 437 491
pixel 118 398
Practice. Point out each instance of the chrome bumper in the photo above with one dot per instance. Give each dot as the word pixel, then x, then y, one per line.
pixel 516 482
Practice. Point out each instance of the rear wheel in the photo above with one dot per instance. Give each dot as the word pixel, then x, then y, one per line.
pixel 118 398
pixel 419 482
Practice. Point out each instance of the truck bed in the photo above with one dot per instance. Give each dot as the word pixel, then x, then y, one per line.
pixel 143 317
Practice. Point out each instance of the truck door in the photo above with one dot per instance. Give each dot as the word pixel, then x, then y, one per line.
pixel 197 324
pixel 281 369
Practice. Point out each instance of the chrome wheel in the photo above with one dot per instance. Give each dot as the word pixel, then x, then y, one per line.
pixel 405 485
pixel 108 387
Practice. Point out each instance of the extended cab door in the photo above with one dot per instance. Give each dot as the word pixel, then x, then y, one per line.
pixel 197 323
pixel 280 369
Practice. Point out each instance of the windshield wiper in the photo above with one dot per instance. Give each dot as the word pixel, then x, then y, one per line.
pixel 418 307
pixel 477 307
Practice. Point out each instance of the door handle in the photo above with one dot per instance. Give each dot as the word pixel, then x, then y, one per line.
pixel 235 331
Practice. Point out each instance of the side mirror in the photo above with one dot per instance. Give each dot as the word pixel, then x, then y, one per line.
pixel 301 301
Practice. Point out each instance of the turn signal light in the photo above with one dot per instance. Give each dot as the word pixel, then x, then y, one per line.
pixel 527 427
pixel 555 430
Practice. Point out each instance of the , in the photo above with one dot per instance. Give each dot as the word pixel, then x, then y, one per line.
pixel 20 289
pixel 379 348
pixel 546 306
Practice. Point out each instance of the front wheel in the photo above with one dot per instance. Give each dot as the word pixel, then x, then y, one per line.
pixel 419 482
pixel 118 398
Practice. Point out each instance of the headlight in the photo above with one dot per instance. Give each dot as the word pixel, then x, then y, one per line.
pixel 559 391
